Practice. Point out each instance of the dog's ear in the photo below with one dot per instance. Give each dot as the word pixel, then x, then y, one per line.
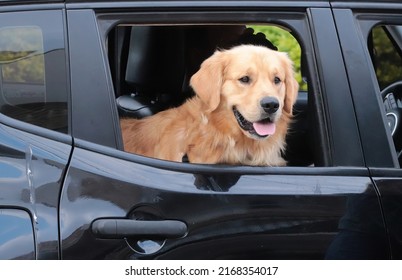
pixel 207 82
pixel 292 86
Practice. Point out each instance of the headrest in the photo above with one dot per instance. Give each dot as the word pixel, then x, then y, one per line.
pixel 156 59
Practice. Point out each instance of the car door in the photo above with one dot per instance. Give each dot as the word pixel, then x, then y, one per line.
pixel 35 144
pixel 116 205
pixel 372 40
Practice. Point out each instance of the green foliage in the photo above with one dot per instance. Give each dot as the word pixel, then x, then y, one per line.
pixel 285 42
pixel 386 58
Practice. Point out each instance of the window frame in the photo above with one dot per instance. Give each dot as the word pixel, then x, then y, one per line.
pixel 368 21
pixel 354 27
pixel 297 21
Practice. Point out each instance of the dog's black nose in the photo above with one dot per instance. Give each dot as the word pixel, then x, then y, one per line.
pixel 269 104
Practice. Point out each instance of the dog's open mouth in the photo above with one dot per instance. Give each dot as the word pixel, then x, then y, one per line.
pixel 262 128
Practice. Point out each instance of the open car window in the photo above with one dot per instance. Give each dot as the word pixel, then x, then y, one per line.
pixel 152 65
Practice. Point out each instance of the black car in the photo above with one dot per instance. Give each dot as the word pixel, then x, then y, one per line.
pixel 69 70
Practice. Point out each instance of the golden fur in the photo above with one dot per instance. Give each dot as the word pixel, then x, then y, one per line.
pixel 205 127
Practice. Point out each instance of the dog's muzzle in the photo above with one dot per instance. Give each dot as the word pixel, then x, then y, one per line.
pixel 262 128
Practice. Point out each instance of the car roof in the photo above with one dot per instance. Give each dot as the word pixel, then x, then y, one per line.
pixel 288 3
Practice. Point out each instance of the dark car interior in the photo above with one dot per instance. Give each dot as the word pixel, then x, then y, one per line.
pixel 151 67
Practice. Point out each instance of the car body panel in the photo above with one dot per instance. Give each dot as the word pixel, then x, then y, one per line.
pixel 17 242
pixel 388 181
pixel 92 107
pixel 254 211
pixel 335 91
pixel 247 209
pixel 384 167
pixel 32 172
pixel 56 186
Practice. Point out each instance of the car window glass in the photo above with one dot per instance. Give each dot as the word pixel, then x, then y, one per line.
pixel 386 55
pixel 23 65
pixel 151 67
pixel 385 47
pixel 32 70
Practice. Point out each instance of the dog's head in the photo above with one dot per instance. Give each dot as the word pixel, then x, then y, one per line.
pixel 255 83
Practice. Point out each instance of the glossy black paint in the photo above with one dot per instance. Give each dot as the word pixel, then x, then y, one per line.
pixel 367 101
pixel 389 185
pixel 90 83
pixel 17 242
pixel 255 212
pixel 345 151
pixel 32 172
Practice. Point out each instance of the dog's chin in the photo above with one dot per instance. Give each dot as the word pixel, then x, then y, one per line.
pixel 258 130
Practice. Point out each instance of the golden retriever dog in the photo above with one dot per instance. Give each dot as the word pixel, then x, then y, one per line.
pixel 240 114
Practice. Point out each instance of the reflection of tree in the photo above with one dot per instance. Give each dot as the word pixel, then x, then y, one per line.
pixel 387 60
pixel 285 42
pixel 21 55
pixel 11 56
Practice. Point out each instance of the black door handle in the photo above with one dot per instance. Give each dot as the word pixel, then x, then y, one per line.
pixel 121 228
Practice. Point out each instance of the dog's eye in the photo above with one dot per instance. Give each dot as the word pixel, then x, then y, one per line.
pixel 277 80
pixel 245 80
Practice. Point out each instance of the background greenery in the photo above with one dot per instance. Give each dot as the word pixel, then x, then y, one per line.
pixel 285 42
pixel 387 59
pixel 22 60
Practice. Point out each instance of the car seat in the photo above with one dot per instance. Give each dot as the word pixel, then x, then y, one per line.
pixel 155 70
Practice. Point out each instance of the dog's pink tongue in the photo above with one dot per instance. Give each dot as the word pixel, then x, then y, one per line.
pixel 264 129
